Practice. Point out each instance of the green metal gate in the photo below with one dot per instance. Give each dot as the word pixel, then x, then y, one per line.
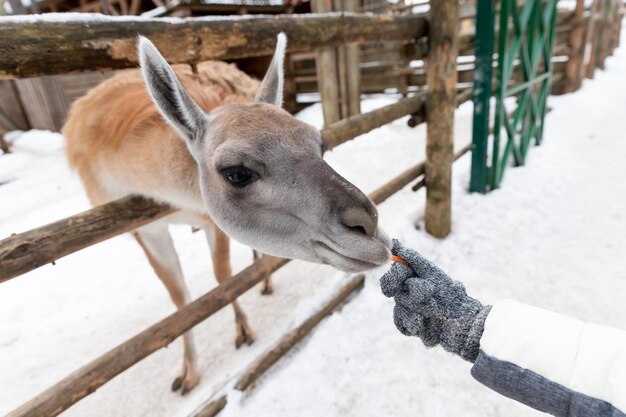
pixel 525 33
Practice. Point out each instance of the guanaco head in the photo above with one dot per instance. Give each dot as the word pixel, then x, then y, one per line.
pixel 262 176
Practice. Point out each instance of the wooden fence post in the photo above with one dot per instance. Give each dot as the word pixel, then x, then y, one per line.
pixel 353 69
pixel 326 68
pixel 18 7
pixel 615 23
pixel 4 146
pixel 618 35
pixel 338 72
pixel 342 68
pixel 441 77
pixel 592 31
pixel 618 29
pixel 577 50
pixel 602 37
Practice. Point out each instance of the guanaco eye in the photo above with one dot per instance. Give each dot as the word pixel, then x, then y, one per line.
pixel 238 176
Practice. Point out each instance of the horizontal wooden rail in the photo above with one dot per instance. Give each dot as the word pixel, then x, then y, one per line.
pixel 269 358
pixel 264 362
pixel 29 250
pixel 467 42
pixel 419 50
pixel 213 408
pixel 422 182
pixel 397 183
pixel 462 96
pixel 34 45
pixel 354 126
pixel 26 251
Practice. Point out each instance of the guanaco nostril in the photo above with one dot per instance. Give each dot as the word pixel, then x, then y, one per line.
pixel 359 220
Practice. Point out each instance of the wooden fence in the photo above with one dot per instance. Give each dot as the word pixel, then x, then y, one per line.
pixel 399 67
pixel 343 73
pixel 44 100
pixel 34 47
pixel 586 38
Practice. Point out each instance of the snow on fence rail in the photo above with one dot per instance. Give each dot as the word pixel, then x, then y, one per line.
pixel 23 252
pixel 37 46
pixel 31 46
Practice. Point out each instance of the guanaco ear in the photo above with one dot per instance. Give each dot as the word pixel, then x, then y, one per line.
pixel 169 95
pixel 271 89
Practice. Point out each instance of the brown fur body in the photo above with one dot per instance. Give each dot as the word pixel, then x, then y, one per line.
pixel 119 144
pixel 218 146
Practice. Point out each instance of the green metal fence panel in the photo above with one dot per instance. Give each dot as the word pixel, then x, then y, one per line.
pixel 525 32
pixel 483 73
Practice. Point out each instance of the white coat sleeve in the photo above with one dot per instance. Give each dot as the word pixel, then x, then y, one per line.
pixel 552 362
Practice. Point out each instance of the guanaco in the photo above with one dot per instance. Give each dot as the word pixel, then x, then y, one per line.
pixel 217 145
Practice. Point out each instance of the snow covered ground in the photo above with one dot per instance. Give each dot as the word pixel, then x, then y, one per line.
pixel 553 236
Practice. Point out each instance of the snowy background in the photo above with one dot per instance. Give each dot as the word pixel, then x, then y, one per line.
pixel 553 236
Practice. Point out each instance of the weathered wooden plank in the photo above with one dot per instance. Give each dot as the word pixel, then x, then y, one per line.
pixel 264 362
pixel 591 38
pixel 18 7
pixel 346 129
pixel 4 146
pixel 34 46
pixel 326 62
pixel 26 251
pixel 213 408
pixel 12 115
pixel 75 86
pixel 441 77
pixel 269 358
pixel 422 182
pixel 602 36
pixel 342 77
pixel 351 76
pixel 418 118
pixel 354 80
pixel 44 102
pixel 397 183
pixel 573 70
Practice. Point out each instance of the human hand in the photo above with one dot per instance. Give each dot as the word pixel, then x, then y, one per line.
pixel 432 306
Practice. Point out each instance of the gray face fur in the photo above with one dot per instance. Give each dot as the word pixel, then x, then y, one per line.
pixel 263 179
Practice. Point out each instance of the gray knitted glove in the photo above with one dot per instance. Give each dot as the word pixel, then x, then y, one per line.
pixel 432 306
